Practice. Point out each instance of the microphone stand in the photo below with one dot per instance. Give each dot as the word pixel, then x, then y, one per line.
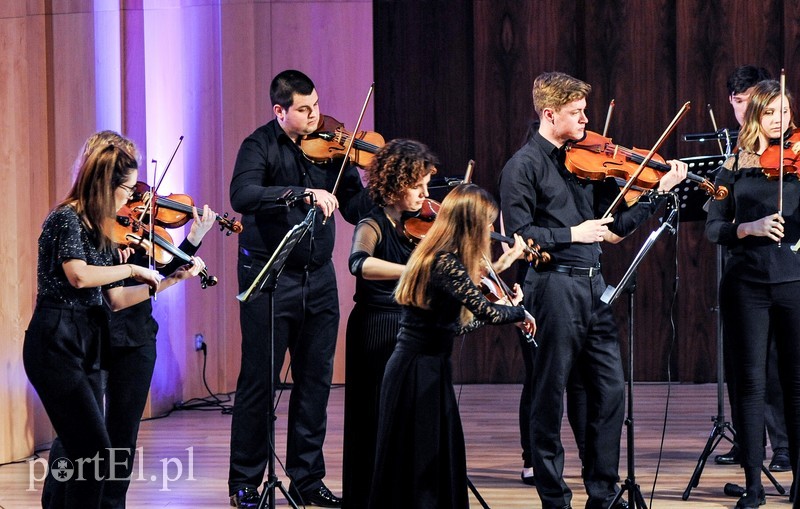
pixel 628 284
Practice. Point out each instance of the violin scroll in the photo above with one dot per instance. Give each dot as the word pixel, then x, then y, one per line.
pixel 533 252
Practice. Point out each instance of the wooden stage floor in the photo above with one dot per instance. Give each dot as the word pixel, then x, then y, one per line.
pixel 186 454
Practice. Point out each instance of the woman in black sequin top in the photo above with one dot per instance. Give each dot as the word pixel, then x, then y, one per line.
pixel 61 353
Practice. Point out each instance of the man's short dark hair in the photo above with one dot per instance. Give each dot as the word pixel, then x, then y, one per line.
pixel 745 77
pixel 288 83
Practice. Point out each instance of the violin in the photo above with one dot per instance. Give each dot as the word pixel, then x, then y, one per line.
pixel 174 210
pixel 330 140
pixel 496 290
pixel 770 158
pixel 415 228
pixel 597 157
pixel 127 230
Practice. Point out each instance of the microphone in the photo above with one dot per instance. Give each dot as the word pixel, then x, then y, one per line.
pixel 289 198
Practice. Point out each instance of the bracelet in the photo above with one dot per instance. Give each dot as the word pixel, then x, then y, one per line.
pixel 132 271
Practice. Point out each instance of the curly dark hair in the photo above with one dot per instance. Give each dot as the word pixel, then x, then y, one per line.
pixel 397 166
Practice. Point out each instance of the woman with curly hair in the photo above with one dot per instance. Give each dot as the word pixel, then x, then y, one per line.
pixel 398 183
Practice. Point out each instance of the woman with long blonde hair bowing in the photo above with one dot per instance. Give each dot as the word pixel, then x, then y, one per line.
pixel 421 458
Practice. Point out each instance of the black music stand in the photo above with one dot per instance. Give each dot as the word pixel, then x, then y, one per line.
pixel 628 284
pixel 267 281
pixel 693 200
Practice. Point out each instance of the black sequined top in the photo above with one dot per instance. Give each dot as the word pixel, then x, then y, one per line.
pixel 64 237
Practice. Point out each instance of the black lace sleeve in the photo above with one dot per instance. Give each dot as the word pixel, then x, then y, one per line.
pixel 450 276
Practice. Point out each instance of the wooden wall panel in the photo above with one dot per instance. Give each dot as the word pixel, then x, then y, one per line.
pixel 650 57
pixel 218 92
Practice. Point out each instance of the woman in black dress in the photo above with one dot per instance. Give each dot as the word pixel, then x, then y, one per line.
pixel 61 353
pixel 421 459
pixel 760 285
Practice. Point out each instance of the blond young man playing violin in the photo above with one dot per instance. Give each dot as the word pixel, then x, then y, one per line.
pixel 541 200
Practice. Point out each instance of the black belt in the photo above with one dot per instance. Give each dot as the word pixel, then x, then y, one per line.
pixel 572 271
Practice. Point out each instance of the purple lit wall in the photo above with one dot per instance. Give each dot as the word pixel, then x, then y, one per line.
pixel 201 70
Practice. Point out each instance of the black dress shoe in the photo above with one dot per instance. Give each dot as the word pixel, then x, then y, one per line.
pixel 751 499
pixel 320 497
pixel 780 461
pixel 245 498
pixel 730 458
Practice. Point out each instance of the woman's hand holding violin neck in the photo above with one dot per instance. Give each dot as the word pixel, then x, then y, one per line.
pixel 325 200
pixel 147 276
pixel 768 226
pixel 189 270
pixel 124 254
pixel 676 175
pixel 201 224
pixel 590 231
pixel 529 324
pixel 511 255
pixel 516 295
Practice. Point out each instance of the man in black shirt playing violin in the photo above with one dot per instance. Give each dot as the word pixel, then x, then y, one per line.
pixel 270 168
pixel 541 200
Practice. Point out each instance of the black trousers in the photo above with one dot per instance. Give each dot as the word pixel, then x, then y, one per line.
pixel 750 311
pixel 371 337
pixel 576 406
pixel 125 383
pixel 576 332
pixel 128 371
pixel 61 356
pixel 306 322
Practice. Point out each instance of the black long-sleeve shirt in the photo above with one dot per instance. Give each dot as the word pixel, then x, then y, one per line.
pixel 751 196
pixel 268 165
pixel 542 200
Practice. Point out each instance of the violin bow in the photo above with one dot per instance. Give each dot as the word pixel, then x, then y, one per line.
pixel 647 158
pixel 150 204
pixel 350 143
pixel 780 165
pixel 468 172
pixel 714 125
pixel 608 117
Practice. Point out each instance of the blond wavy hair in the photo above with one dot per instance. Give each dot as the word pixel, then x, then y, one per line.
pixel 556 89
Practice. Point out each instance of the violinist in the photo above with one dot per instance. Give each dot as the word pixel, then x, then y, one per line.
pixel 541 200
pixel 740 86
pixel 398 181
pixel 761 279
pixel 129 360
pixel 274 186
pixel 420 458
pixel 62 349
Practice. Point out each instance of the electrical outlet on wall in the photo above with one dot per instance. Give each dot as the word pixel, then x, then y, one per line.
pixel 198 342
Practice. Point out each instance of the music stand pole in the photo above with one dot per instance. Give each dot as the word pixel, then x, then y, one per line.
pixel 266 282
pixel 628 284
